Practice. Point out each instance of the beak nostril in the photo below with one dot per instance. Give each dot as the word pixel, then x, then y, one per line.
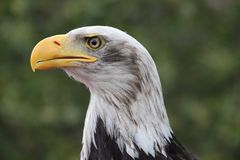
pixel 57 43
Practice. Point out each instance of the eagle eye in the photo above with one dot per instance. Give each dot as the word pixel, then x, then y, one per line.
pixel 94 42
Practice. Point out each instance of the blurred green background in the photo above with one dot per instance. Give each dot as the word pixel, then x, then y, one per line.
pixel 195 45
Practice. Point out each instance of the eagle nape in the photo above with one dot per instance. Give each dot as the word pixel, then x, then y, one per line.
pixel 126 117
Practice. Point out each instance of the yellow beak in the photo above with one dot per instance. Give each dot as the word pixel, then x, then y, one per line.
pixel 51 52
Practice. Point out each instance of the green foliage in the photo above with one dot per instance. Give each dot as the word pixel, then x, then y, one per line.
pixel 196 47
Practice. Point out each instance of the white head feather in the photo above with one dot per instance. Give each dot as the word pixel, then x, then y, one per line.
pixel 125 93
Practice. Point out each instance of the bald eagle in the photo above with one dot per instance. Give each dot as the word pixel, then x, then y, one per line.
pixel 126 117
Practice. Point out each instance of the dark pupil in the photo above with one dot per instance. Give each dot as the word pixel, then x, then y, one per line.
pixel 94 42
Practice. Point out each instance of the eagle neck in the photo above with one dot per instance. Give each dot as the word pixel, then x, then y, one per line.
pixel 141 126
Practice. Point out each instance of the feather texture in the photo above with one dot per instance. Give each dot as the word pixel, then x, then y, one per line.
pixel 106 148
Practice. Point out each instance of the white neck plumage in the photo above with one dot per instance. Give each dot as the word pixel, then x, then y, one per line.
pixel 143 124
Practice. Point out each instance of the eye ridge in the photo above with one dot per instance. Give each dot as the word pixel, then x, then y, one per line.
pixel 94 42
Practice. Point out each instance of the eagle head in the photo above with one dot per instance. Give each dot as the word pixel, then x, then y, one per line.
pixel 103 58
